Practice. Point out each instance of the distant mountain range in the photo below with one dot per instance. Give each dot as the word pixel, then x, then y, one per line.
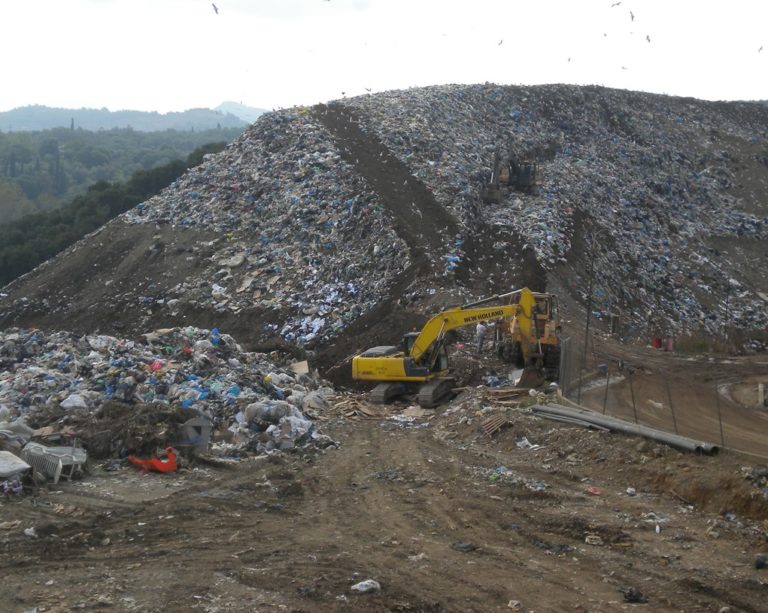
pixel 36 117
pixel 246 113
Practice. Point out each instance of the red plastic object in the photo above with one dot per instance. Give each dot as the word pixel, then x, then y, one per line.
pixel 166 464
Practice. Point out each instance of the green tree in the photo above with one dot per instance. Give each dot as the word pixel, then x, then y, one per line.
pixel 20 155
pixel 30 240
pixel 93 156
pixel 65 162
pixel 49 147
pixel 13 202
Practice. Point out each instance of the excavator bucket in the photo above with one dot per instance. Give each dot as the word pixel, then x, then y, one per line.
pixel 531 377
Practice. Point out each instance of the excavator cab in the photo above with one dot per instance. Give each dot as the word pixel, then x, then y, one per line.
pixel 408 339
pixel 436 357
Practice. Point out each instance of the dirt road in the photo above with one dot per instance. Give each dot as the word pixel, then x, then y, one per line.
pixel 444 517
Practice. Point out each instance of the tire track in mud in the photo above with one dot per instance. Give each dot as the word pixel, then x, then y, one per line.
pixel 418 218
pixel 492 253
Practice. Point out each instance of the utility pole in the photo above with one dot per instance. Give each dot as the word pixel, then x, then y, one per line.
pixel 589 313
pixel 725 317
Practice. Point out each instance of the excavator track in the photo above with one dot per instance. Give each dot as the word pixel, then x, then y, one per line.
pixel 435 392
pixel 385 392
pixel 552 363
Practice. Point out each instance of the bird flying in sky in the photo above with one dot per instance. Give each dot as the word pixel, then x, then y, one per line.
pixel 215 8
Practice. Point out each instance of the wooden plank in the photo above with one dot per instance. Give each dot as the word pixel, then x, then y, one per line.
pixel 494 424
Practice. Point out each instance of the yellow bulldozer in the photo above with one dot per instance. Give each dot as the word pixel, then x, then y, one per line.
pixel 509 172
pixel 420 363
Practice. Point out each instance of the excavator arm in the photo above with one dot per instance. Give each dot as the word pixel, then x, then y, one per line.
pixel 423 362
pixel 436 328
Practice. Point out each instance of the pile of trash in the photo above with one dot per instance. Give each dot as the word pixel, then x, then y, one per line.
pixel 187 388
pixel 632 190
pixel 305 235
pixel 758 476
pixel 653 174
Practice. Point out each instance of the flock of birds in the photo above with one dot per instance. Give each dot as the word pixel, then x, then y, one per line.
pixel 605 34
pixel 613 5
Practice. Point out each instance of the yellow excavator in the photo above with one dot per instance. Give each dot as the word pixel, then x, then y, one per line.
pixel 420 363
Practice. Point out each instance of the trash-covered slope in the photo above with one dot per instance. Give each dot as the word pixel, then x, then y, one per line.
pixel 662 183
pixel 276 230
pixel 295 233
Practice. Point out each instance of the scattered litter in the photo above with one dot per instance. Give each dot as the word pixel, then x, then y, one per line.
pixel 164 464
pixel 524 443
pixel 634 595
pixel 367 586
pixel 593 539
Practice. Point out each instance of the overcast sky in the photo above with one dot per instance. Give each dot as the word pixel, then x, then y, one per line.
pixel 172 55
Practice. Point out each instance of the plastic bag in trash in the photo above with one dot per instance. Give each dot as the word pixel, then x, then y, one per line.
pixel 271 411
pixel 364 587
pixel 74 401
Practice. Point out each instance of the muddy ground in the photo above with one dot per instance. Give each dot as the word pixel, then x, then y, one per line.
pixel 443 516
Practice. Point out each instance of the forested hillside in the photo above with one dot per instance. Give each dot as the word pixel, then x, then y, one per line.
pixel 27 242
pixel 41 171
pixel 38 117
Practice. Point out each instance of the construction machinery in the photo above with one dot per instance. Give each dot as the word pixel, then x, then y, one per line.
pixel 420 363
pixel 509 171
pixel 531 340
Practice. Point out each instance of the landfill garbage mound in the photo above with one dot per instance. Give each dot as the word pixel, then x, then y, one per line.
pixel 119 396
pixel 650 193
pixel 316 222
